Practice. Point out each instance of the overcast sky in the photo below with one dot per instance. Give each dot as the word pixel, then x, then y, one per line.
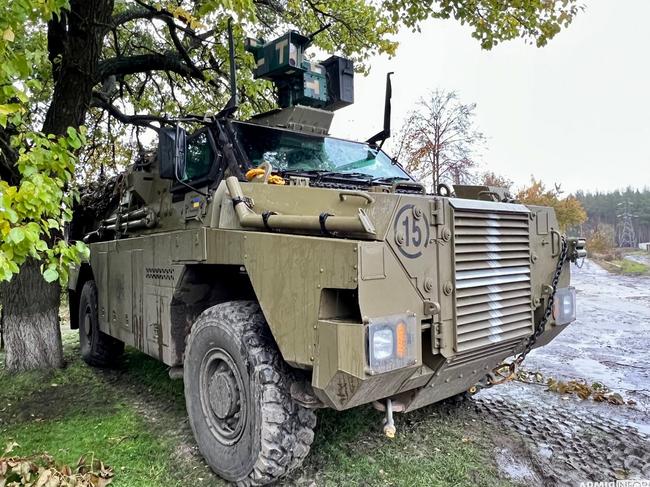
pixel 574 112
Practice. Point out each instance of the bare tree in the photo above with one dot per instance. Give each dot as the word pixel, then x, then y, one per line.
pixel 490 178
pixel 439 141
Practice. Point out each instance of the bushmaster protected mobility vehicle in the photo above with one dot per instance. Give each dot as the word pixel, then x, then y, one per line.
pixel 284 270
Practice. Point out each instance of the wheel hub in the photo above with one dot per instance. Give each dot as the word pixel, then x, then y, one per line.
pixel 223 396
pixel 87 326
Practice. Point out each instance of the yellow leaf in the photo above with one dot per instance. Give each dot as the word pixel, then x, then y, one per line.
pixel 182 14
pixel 44 477
pixel 4 228
pixel 9 108
pixel 10 447
pixel 196 25
pixel 8 35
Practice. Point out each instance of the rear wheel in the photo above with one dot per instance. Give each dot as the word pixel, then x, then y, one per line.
pixel 97 348
pixel 247 426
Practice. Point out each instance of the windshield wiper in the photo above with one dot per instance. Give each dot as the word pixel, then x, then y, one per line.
pixel 325 174
pixel 390 179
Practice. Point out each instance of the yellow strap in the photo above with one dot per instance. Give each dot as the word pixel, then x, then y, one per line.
pixel 275 179
pixel 253 173
pixel 259 171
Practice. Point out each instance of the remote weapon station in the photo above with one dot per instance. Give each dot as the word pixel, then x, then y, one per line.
pixel 281 270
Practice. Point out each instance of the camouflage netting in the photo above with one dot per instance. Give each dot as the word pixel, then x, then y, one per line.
pixel 97 200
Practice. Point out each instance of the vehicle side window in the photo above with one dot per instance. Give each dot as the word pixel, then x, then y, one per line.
pixel 199 157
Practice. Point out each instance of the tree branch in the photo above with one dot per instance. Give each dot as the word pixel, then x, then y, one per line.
pixel 134 14
pixel 8 158
pixel 100 101
pixel 144 62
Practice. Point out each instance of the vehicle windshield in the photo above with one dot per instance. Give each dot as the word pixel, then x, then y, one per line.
pixel 288 151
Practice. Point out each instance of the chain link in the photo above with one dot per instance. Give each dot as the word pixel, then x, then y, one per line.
pixel 506 371
pixel 539 329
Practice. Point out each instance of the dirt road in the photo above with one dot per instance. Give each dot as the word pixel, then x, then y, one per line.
pixel 567 440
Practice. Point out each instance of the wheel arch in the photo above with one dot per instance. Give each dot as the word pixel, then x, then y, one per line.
pixel 200 287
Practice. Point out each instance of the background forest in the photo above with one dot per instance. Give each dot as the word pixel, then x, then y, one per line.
pixel 607 210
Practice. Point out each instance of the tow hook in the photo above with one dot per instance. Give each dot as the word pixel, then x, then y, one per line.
pixel 484 383
pixel 389 424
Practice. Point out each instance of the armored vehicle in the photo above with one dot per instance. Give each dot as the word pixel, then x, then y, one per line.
pixel 284 270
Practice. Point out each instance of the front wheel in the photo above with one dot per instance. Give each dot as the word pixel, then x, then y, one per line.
pixel 247 426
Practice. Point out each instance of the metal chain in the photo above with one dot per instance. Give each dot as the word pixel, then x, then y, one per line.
pixel 539 329
pixel 497 376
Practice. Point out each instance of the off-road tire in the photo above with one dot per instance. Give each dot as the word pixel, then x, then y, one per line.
pixel 97 348
pixel 277 432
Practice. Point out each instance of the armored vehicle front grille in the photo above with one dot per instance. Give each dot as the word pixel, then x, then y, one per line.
pixel 492 266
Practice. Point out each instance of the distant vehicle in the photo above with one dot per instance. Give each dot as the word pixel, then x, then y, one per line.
pixel 285 270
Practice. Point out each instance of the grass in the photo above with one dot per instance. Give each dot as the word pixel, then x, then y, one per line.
pixel 134 420
pixel 626 267
pixel 619 262
pixel 434 447
pixel 83 411
pixel 118 436
pixel 631 267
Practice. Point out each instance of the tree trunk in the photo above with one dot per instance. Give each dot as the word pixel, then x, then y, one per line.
pixel 77 37
pixel 31 321
pixel 30 305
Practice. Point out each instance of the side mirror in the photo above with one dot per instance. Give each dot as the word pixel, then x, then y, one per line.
pixel 172 142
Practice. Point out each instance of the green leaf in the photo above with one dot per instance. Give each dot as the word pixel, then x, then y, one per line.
pixel 75 143
pixel 50 275
pixel 41 246
pixel 12 216
pixel 16 235
pixel 73 138
pixel 83 249
pixel 52 223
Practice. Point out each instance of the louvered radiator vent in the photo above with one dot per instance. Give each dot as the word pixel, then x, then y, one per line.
pixel 493 290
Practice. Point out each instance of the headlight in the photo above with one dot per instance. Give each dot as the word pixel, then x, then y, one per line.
pixel 564 306
pixel 391 343
pixel 383 343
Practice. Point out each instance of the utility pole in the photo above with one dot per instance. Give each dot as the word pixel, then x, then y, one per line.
pixel 626 235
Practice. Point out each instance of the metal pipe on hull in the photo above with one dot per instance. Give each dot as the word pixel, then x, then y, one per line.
pixel 322 223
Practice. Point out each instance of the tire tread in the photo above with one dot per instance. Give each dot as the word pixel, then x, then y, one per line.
pixel 286 427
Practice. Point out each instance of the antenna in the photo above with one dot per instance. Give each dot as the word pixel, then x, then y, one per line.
pixel 231 106
pixel 385 133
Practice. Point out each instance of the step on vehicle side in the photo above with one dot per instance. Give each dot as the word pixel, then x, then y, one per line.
pixel 285 270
